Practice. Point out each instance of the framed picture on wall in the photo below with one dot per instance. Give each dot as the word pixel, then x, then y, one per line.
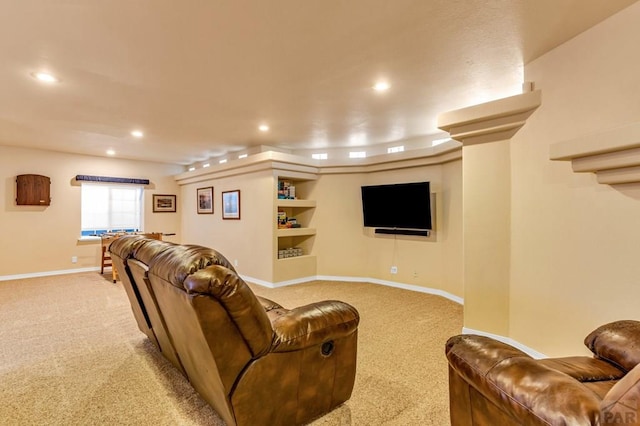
pixel 231 204
pixel 164 203
pixel 205 200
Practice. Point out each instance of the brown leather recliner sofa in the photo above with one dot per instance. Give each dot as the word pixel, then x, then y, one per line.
pixel 491 383
pixel 255 362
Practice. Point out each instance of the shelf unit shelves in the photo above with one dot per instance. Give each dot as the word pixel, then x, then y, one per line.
pixel 295 232
pixel 613 155
pixel 302 208
pixel 283 202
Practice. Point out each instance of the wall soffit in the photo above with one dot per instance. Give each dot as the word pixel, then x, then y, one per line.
pixel 440 154
pixel 491 121
pixel 613 155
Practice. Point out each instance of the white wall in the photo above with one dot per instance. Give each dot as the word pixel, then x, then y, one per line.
pixel 346 248
pixel 575 243
pixel 342 246
pixel 248 240
pixel 36 239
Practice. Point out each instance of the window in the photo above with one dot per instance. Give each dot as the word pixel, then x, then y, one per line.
pixel 111 208
pixel 358 154
pixel 320 156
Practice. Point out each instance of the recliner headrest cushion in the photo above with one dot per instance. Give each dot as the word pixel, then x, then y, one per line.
pixel 179 261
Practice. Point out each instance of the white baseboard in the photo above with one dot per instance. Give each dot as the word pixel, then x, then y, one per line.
pixel 509 341
pixel 465 330
pixel 257 281
pixel 269 284
pixel 404 286
pixel 47 273
pixel 411 287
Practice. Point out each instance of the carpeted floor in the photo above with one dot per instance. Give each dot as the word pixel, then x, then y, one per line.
pixel 71 354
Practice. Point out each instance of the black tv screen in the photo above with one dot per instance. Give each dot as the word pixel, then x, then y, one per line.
pixel 401 206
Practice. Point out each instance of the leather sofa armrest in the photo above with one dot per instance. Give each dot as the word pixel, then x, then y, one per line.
pixel 313 324
pixel 620 404
pixel 616 342
pixel 521 386
pixel 268 304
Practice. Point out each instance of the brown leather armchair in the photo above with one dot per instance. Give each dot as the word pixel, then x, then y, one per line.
pixel 254 361
pixel 491 383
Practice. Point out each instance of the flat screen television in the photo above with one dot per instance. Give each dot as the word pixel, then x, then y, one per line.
pixel 397 206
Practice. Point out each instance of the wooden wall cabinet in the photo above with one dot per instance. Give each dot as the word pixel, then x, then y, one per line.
pixel 33 190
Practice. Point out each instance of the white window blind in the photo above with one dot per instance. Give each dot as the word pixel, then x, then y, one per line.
pixel 108 207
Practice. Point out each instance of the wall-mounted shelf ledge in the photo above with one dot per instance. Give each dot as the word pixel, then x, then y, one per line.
pixel 297 259
pixel 295 232
pixel 612 140
pixel 491 121
pixel 283 202
pixel 614 155
pixel 619 176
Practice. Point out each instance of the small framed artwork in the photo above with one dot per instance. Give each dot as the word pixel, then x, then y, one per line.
pixel 164 203
pixel 231 204
pixel 205 200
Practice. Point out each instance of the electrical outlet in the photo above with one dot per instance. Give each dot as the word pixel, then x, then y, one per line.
pixel 74 259
pixel 235 262
pixel 394 269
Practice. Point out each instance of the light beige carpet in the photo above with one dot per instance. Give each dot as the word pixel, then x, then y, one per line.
pixel 71 354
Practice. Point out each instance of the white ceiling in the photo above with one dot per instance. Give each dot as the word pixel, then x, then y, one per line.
pixel 199 76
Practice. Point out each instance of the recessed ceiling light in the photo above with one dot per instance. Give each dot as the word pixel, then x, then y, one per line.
pixel 111 152
pixel 381 86
pixel 45 77
pixel 137 133
pixel 263 128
